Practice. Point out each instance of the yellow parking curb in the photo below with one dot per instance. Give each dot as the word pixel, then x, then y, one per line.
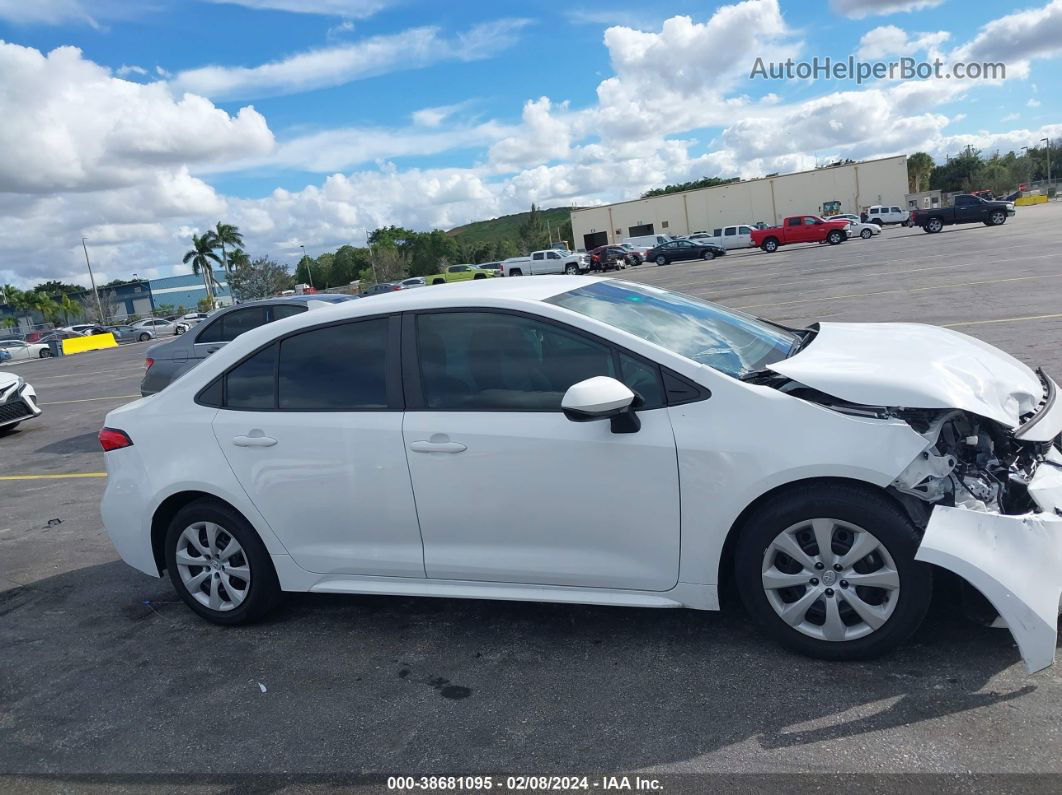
pixel 94 342
pixel 55 477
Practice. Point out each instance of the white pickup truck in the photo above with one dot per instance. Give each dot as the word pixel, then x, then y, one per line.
pixel 551 260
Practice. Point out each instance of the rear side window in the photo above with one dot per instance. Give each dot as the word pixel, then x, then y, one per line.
pixel 232 324
pixel 250 384
pixel 335 368
pixel 286 310
pixel 794 222
pixel 731 230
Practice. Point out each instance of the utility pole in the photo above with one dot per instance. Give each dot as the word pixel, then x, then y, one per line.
pixel 92 279
pixel 305 259
pixel 1048 143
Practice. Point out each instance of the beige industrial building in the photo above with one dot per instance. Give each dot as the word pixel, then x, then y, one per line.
pixel 849 188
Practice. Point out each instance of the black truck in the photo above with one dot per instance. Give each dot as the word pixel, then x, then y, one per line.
pixel 965 209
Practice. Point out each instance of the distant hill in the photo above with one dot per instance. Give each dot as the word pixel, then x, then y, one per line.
pixel 507 227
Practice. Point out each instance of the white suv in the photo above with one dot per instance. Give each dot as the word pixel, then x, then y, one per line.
pixel 882 215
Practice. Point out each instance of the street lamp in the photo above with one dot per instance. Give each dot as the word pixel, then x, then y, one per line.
pixel 92 279
pixel 306 259
pixel 1046 141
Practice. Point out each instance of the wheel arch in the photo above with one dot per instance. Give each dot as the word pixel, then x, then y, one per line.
pixel 726 556
pixel 168 508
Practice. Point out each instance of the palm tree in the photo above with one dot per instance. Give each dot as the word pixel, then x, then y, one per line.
pixel 68 306
pixel 226 234
pixel 200 256
pixel 918 167
pixel 239 259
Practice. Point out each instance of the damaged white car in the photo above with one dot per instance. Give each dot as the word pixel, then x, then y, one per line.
pixel 571 439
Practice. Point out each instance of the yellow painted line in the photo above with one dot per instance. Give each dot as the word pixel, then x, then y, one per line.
pixel 54 477
pixel 89 400
pixel 1003 320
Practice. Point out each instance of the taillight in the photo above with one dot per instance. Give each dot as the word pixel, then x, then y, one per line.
pixel 148 362
pixel 114 439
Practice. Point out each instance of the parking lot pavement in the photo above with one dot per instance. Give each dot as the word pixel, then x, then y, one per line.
pixel 102 670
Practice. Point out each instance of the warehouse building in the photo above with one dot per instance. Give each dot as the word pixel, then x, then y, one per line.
pixel 848 188
pixel 188 290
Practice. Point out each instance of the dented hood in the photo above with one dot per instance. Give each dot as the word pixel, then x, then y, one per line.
pixel 912 365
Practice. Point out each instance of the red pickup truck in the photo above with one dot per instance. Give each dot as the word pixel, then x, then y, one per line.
pixel 800 229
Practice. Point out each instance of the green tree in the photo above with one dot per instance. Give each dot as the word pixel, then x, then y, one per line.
pixel 238 258
pixel 533 233
pixel 261 278
pixel 55 287
pixel 68 307
pixel 226 235
pixel 201 255
pixel 703 182
pixel 919 167
pixel 390 237
pixel 347 264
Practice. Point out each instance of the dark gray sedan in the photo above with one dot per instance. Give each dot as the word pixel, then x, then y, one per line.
pixel 169 360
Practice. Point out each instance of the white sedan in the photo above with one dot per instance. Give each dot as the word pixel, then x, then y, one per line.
pixel 20 351
pixel 571 439
pixel 18 402
pixel 858 228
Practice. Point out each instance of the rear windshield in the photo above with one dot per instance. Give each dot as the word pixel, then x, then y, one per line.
pixel 723 339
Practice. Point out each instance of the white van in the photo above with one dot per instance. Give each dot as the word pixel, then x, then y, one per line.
pixel 645 242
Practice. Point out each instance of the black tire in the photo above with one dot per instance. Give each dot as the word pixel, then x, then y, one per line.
pixel 852 504
pixel 571 269
pixel 834 237
pixel 438 281
pixel 44 354
pixel 933 225
pixel 479 276
pixel 877 221
pixel 661 260
pixel 998 218
pixel 708 255
pixel 636 261
pixel 263 592
pixel 866 234
pixel 770 245
pixel 144 337
pixel 516 272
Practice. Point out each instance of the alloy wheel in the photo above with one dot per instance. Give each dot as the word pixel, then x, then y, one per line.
pixel 213 566
pixel 830 580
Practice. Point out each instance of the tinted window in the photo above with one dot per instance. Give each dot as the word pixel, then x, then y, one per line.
pixel 232 324
pixel 717 232
pixel 500 362
pixel 809 221
pixel 731 230
pixel 287 310
pixel 745 230
pixel 337 367
pixel 894 209
pixel 643 378
pixel 249 385
pixel 537 256
pixel 794 222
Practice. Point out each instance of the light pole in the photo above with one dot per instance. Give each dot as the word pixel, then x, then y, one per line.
pixel 1048 143
pixel 309 273
pixel 99 306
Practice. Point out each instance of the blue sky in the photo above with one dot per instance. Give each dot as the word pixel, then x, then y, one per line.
pixel 309 126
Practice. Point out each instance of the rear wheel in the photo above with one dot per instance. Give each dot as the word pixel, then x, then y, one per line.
pixel 479 276
pixel 877 221
pixel 45 353
pixel 516 272
pixel 866 234
pixel 934 225
pixel 830 572
pixel 661 260
pixel 218 564
pixel 770 245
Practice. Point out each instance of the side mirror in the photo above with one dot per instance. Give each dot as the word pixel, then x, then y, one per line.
pixel 601 398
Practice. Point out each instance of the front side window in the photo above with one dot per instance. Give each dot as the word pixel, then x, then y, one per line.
pixel 341 367
pixel 492 361
pixel 810 221
pixel 746 230
pixel 723 339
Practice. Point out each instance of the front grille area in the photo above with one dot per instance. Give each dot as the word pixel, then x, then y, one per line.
pixel 15 410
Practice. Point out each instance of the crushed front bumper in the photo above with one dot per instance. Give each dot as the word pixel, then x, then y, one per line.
pixel 1014 561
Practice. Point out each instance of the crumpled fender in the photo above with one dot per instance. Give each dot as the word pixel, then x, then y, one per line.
pixel 1014 561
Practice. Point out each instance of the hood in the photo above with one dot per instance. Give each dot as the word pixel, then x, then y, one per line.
pixel 911 365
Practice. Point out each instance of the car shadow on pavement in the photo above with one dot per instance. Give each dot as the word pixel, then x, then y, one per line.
pixel 105 670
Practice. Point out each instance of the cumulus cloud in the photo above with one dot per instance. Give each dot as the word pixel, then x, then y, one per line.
pixel 1035 33
pixel 332 66
pixel 69 125
pixel 890 40
pixel 857 9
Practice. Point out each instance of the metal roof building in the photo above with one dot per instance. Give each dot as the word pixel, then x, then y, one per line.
pixel 188 290
pixel 847 188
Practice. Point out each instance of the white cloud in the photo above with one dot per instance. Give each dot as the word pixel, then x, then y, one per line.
pixel 331 66
pixel 1035 33
pixel 541 138
pixel 123 70
pixel 890 40
pixel 350 9
pixel 1010 117
pixel 1033 103
pixel 433 117
pixel 45 12
pixel 857 9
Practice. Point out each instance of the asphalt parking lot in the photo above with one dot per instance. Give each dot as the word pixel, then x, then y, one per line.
pixel 102 670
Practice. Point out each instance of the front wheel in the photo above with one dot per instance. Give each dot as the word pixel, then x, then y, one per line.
pixel 661 260
pixel 866 234
pixel 834 237
pixel 218 564
pixel 571 269
pixel 708 255
pixel 998 217
pixel 830 572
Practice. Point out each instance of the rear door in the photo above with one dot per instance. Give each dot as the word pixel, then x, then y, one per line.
pixel 538 262
pixel 311 425
pixel 744 237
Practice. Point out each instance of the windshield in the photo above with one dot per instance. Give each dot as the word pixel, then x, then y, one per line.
pixel 723 339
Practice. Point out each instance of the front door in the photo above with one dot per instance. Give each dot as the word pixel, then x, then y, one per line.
pixel 507 488
pixel 312 428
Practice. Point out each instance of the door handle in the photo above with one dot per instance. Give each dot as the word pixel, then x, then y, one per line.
pixel 254 441
pixel 437 447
